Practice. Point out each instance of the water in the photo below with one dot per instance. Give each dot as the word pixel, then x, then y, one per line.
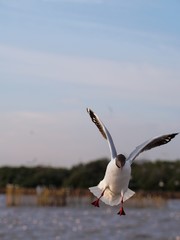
pixel 88 222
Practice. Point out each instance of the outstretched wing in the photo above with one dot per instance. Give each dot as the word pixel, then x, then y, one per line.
pixel 152 143
pixel 103 130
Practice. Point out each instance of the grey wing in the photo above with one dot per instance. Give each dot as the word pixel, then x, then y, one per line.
pixel 103 130
pixel 152 143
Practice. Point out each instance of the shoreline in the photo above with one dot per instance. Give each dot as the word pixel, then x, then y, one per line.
pixel 43 196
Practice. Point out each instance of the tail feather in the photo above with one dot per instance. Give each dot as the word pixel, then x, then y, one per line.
pixel 109 197
pixel 96 191
pixel 128 194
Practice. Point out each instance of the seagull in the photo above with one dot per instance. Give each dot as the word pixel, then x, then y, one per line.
pixel 113 189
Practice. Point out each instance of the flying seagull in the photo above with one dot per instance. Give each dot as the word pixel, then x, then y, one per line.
pixel 113 189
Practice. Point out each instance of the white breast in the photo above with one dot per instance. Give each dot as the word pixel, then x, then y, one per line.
pixel 117 179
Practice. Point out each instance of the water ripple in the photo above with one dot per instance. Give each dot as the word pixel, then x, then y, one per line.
pixel 53 223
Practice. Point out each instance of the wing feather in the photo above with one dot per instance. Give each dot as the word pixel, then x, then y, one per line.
pixel 152 143
pixel 103 130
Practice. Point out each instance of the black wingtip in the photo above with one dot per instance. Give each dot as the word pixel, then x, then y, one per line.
pixel 169 137
pixel 91 113
pixel 97 122
pixel 174 134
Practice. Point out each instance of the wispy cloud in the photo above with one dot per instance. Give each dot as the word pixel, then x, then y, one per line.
pixel 69 137
pixel 75 1
pixel 117 59
pixel 133 79
pixel 50 138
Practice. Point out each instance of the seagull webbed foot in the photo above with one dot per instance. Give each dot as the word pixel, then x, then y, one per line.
pixel 121 212
pixel 96 203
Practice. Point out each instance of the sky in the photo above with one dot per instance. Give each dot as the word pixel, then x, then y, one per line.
pixel 58 57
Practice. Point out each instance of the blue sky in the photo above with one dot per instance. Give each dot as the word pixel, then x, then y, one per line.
pixel 57 57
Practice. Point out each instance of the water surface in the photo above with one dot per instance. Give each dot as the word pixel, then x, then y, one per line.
pixel 87 222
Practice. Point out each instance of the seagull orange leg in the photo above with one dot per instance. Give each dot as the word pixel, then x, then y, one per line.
pixel 96 202
pixel 121 211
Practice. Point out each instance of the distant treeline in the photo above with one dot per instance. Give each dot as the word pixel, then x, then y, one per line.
pixel 147 176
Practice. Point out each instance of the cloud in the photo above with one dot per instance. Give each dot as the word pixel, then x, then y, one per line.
pixel 50 138
pixel 58 139
pixel 75 1
pixel 131 80
pixel 69 137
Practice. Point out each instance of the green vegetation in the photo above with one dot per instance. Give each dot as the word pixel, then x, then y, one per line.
pixel 31 177
pixel 147 176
